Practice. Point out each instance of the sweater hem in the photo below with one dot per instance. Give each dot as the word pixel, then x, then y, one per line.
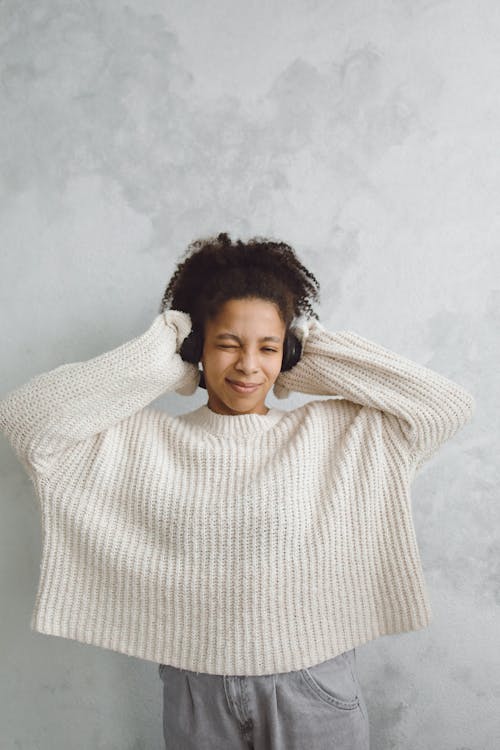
pixel 149 655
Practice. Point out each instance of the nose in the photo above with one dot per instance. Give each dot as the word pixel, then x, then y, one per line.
pixel 247 362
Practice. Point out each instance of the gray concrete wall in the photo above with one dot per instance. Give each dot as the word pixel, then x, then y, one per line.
pixel 367 135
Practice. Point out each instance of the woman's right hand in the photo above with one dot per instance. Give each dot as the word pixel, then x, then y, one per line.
pixel 181 322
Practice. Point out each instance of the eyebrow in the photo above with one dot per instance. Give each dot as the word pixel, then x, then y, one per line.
pixel 233 336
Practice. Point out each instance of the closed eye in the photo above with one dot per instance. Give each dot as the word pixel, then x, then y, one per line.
pixel 266 348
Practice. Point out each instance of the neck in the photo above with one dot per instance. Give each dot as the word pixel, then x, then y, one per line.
pixel 263 410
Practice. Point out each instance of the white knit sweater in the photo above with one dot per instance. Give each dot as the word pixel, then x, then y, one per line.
pixel 245 544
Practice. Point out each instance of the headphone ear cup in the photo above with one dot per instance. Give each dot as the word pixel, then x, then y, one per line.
pixel 292 350
pixel 191 349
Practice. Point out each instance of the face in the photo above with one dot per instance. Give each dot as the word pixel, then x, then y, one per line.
pixel 244 343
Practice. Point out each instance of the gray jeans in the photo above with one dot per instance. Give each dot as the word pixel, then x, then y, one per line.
pixel 310 709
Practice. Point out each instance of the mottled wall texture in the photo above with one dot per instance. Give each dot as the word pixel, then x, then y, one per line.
pixel 366 133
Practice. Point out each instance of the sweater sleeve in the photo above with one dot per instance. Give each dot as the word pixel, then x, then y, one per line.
pixel 420 407
pixel 73 402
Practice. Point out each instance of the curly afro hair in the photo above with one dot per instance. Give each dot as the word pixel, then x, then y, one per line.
pixel 214 270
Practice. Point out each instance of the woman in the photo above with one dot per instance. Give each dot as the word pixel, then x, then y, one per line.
pixel 245 549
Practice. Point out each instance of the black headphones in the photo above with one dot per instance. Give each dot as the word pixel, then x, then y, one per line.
pixel 191 350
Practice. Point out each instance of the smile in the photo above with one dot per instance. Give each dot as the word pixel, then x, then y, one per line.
pixel 243 388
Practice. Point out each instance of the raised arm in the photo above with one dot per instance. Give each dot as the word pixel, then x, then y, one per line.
pixel 421 407
pixel 55 410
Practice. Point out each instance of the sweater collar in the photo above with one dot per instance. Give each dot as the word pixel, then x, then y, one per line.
pixel 233 425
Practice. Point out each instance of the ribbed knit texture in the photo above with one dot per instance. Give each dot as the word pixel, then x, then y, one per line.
pixel 245 544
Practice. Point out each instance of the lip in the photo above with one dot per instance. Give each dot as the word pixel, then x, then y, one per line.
pixel 243 388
